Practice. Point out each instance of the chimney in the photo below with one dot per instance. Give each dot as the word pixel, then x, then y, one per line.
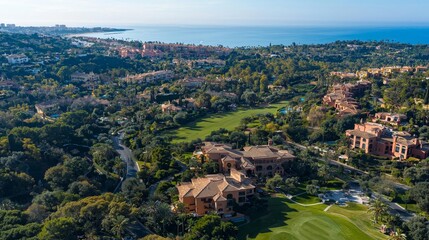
pixel 270 142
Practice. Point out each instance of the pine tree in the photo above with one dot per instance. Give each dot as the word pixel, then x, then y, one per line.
pixel 426 99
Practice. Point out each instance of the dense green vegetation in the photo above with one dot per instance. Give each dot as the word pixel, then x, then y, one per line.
pixel 62 175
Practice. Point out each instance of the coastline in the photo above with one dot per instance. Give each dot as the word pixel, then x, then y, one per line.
pixel 112 31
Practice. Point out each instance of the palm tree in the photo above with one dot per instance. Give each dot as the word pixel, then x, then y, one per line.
pixel 398 235
pixel 120 224
pixel 379 209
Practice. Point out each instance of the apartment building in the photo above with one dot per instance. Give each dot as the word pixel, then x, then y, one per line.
pixel 17 59
pixel 377 139
pixel 150 77
pixel 263 160
pixel 216 193
pixel 342 97
pixel 79 77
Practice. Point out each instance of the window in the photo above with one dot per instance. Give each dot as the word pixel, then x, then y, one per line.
pixel 269 168
pixel 241 199
pixel 397 148
pixel 250 191
pixel 403 150
pixel 241 193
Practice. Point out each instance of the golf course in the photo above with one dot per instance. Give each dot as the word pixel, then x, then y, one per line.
pixel 202 127
pixel 285 219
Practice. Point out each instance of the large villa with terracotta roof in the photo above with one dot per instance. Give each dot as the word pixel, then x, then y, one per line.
pixel 262 160
pixel 216 193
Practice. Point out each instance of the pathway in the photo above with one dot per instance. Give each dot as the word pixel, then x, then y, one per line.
pixel 327 208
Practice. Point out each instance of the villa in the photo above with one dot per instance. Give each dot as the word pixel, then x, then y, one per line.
pixel 263 160
pixel 216 193
pixel 389 118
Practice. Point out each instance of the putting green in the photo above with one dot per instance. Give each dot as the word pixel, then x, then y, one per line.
pixel 286 220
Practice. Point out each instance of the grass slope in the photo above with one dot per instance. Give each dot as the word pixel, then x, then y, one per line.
pixel 230 120
pixel 286 220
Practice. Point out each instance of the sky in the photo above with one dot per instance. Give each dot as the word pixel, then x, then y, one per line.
pixel 118 13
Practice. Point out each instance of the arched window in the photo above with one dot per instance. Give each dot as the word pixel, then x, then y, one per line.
pixel 228 165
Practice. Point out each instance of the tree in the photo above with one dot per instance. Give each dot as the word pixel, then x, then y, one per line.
pixel 263 84
pixel 28 231
pixel 275 182
pixel 134 191
pixel 249 98
pixel 237 138
pixel 37 212
pixel 203 100
pixel 154 237
pixel 420 194
pixel 378 209
pixel 212 227
pixel 416 228
pixel 119 226
pixel 64 73
pixel 398 235
pixel 426 98
pixel 58 177
pixel 60 228
pixel 83 188
pixel 311 189
pixel 180 118
pixel 155 213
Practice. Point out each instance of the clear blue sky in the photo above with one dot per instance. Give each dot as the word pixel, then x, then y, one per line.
pixel 214 12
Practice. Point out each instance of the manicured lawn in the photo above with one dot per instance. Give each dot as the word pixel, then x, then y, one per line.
pixel 306 199
pixel 204 126
pixel 286 220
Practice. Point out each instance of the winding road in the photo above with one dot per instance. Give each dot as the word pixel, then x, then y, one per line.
pixel 127 157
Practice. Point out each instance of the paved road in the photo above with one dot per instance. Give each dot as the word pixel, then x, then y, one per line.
pixel 396 209
pixel 126 156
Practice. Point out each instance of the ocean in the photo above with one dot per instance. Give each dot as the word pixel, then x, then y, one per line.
pixel 264 36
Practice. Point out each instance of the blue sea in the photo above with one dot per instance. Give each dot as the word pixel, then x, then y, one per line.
pixel 264 36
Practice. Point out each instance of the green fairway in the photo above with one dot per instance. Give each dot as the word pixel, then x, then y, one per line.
pixel 286 220
pixel 230 120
